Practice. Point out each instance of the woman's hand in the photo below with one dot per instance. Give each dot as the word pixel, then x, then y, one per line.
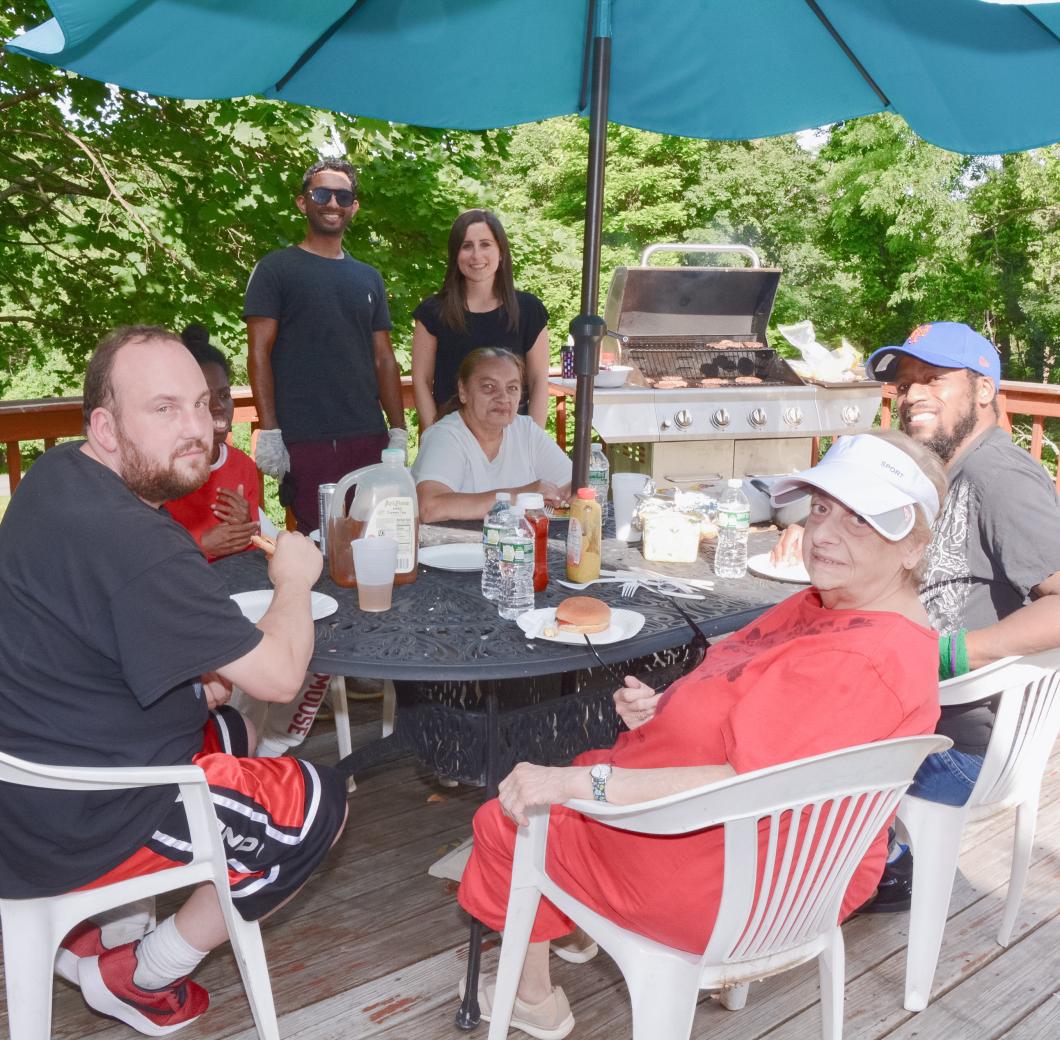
pixel 528 785
pixel 231 507
pixel 553 494
pixel 225 539
pixel 789 549
pixel 636 703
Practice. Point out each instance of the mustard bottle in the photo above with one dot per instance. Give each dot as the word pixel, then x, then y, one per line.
pixel 584 537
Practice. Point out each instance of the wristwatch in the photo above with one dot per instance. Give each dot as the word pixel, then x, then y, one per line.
pixel 599 775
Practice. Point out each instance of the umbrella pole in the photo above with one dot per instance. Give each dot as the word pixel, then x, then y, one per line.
pixel 588 329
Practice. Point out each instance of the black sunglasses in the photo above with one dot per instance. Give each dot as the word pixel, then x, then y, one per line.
pixel 322 196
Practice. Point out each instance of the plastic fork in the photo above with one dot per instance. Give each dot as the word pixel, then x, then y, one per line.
pixel 629 589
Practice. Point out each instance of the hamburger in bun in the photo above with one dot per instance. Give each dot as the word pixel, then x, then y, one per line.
pixel 583 614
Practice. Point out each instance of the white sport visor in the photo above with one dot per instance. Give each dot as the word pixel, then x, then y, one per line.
pixel 870 476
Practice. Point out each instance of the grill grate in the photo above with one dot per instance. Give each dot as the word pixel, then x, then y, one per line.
pixel 692 360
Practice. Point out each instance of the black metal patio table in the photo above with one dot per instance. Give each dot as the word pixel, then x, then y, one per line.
pixel 474 695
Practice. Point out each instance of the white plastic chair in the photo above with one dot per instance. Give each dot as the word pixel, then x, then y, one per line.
pixel 33 928
pixel 1027 722
pixel 847 797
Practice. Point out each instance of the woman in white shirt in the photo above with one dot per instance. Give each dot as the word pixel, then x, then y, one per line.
pixel 481 445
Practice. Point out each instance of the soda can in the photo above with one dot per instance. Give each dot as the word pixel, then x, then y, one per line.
pixel 324 493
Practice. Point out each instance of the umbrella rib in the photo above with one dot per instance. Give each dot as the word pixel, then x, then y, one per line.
pixel 1038 22
pixel 315 46
pixel 834 33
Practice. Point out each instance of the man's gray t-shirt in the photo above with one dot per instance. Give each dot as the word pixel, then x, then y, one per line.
pixel 323 360
pixel 997 537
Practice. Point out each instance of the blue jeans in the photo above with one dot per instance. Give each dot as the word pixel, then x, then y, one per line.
pixel 947 777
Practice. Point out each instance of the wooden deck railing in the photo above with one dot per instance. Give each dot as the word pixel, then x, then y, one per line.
pixel 1038 401
pixel 50 418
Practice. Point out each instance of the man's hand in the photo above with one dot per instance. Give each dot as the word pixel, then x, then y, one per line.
pixel 270 455
pixel 231 507
pixel 217 689
pixel 225 539
pixel 636 703
pixel 788 550
pixel 296 559
pixel 399 438
pixel 528 785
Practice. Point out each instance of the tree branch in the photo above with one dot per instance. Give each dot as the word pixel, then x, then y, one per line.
pixel 123 202
pixel 28 319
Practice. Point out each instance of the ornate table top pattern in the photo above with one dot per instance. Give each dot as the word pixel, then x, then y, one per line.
pixel 440 627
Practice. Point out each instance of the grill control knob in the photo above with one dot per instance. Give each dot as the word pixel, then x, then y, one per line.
pixel 683 418
pixel 758 418
pixel 851 413
pixel 793 416
pixel 720 418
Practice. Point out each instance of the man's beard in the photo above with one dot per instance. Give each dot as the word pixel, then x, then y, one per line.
pixel 154 483
pixel 947 444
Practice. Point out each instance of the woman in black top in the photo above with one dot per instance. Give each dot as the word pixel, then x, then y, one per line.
pixel 478 306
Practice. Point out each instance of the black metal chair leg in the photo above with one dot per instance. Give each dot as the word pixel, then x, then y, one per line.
pixel 467 1017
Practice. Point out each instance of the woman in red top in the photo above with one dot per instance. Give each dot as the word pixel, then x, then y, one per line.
pixel 222 514
pixel 845 662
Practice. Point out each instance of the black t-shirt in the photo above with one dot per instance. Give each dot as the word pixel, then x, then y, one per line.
pixel 323 361
pixel 481 330
pixel 109 614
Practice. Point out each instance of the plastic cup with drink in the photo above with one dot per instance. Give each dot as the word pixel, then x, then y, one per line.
pixel 374 560
pixel 624 490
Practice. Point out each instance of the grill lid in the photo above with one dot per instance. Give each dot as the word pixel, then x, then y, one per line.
pixel 702 302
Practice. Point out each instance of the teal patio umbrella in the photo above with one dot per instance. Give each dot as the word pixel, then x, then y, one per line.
pixel 969 76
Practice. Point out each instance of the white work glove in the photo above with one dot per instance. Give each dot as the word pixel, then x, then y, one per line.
pixel 270 455
pixel 399 438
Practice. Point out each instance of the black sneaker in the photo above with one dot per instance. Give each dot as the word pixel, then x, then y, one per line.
pixel 895 892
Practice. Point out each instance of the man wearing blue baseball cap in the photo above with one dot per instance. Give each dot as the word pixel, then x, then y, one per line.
pixel 992 586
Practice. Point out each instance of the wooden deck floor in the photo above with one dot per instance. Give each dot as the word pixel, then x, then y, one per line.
pixel 373 947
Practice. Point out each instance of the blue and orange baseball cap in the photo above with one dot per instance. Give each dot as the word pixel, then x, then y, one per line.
pixel 947 344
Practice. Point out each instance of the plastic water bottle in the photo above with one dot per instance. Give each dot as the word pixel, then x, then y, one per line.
pixel 599 475
pixel 734 518
pixel 491 536
pixel 516 566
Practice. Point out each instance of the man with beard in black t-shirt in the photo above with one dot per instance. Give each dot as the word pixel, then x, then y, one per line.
pixel 118 647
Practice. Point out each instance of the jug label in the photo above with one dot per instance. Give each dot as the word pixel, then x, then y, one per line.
pixel 395 517
pixel 574 543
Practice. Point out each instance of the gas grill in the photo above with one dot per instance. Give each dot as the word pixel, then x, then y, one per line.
pixel 707 398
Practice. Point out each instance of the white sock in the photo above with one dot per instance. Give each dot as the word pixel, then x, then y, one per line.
pixel 125 924
pixel 164 956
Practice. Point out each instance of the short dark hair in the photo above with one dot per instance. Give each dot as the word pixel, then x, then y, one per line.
pixel 197 339
pixel 99 387
pixel 338 165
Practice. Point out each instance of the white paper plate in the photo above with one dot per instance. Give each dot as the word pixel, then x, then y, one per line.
pixel 765 568
pixel 624 625
pixel 456 556
pixel 254 604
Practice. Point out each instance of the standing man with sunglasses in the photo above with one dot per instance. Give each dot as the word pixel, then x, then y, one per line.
pixel 320 360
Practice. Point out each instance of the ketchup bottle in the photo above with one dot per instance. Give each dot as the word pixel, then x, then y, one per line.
pixel 534 504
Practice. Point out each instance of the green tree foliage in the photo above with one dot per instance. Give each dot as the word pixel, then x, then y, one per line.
pixel 118 207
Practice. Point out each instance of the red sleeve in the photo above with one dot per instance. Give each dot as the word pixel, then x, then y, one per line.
pixel 808 705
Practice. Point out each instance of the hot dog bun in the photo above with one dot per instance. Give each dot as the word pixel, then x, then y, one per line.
pixel 583 614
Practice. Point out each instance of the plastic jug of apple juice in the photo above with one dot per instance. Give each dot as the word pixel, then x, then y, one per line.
pixel 384 503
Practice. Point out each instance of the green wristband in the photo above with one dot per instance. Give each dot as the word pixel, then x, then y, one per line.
pixel 944 657
pixel 961 652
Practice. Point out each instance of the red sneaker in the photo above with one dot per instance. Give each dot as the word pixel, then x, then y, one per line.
pixel 107 986
pixel 85 940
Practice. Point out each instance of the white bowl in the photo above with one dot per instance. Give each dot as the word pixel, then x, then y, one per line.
pixel 614 376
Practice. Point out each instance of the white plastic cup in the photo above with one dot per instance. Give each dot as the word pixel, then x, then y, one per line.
pixel 624 489
pixel 375 561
